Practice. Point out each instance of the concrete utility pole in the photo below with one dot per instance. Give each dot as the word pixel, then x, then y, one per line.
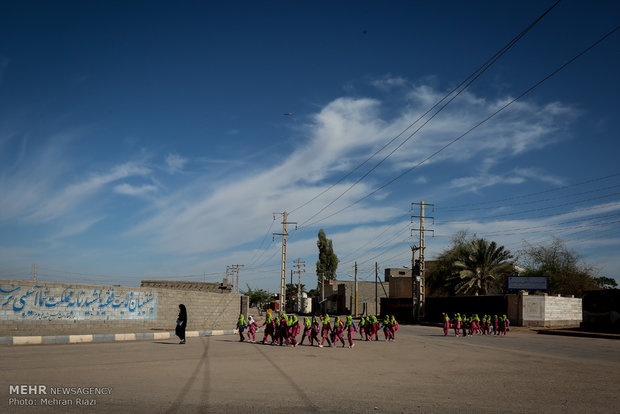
pixel 376 288
pixel 355 313
pixel 283 272
pixel 235 274
pixel 300 264
pixel 417 280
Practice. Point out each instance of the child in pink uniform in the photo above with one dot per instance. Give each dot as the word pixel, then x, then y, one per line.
pixel 307 331
pixel 252 326
pixel 325 329
pixel 316 329
pixel 338 331
pixel 350 327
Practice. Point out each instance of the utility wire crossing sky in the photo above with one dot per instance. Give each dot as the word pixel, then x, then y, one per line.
pixel 156 141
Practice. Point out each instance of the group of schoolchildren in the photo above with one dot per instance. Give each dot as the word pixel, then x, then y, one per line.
pixel 283 329
pixel 473 325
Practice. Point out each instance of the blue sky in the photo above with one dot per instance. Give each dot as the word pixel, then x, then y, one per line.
pixel 144 140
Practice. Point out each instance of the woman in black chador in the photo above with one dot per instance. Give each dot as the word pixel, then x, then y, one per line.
pixel 181 323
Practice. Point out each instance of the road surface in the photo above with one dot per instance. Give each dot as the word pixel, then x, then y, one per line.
pixel 422 371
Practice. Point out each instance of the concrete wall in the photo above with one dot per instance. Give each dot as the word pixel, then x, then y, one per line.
pixel 341 296
pixel 400 287
pixel 44 308
pixel 550 311
pixel 389 273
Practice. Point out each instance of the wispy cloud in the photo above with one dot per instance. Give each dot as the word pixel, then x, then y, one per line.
pixel 205 212
pixel 339 136
pixel 74 228
pixel 175 163
pixel 388 82
pixel 44 184
pixel 128 189
pixel 71 196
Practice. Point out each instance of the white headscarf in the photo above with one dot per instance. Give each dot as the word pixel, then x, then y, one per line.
pixel 250 320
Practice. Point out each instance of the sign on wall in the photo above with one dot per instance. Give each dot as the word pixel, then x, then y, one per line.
pixel 528 283
pixel 39 302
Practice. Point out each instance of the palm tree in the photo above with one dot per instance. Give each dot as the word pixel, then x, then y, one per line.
pixel 478 263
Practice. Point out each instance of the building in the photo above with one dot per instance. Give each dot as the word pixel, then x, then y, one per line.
pixel 339 297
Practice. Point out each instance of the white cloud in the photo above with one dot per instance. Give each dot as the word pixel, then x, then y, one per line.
pixel 44 185
pixel 74 228
pixel 228 213
pixel 210 216
pixel 539 174
pixel 71 196
pixel 128 189
pixel 175 163
pixel 388 82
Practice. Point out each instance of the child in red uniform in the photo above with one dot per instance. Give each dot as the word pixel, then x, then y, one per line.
pixel 325 329
pixel 316 328
pixel 293 329
pixel 252 325
pixel 270 326
pixel 446 323
pixel 307 331
pixel 350 327
pixel 457 324
pixel 394 326
pixel 338 331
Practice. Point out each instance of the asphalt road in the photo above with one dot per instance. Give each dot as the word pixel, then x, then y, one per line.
pixel 422 371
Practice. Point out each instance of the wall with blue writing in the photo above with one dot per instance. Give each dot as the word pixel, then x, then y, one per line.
pixel 29 301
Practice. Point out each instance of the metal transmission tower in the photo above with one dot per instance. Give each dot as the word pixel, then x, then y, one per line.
pixel 283 273
pixel 301 267
pixel 418 292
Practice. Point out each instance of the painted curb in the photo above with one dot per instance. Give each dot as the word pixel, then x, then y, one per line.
pixel 78 339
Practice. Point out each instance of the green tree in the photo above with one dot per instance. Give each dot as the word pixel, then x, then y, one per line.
pixel 567 273
pixel 440 282
pixel 478 265
pixel 605 282
pixel 257 297
pixel 327 264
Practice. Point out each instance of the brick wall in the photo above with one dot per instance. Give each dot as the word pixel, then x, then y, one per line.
pixel 44 308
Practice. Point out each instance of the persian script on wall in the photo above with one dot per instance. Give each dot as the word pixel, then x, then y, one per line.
pixel 40 302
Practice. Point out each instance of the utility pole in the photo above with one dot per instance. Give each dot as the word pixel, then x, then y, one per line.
pixel 283 271
pixel 376 288
pixel 234 269
pixel 228 274
pixel 34 272
pixel 418 292
pixel 355 315
pixel 300 264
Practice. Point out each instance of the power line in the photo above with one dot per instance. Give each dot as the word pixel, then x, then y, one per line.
pixel 538 201
pixel 461 87
pixel 462 207
pixel 371 240
pixel 527 91
pixel 539 209
pixel 258 255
